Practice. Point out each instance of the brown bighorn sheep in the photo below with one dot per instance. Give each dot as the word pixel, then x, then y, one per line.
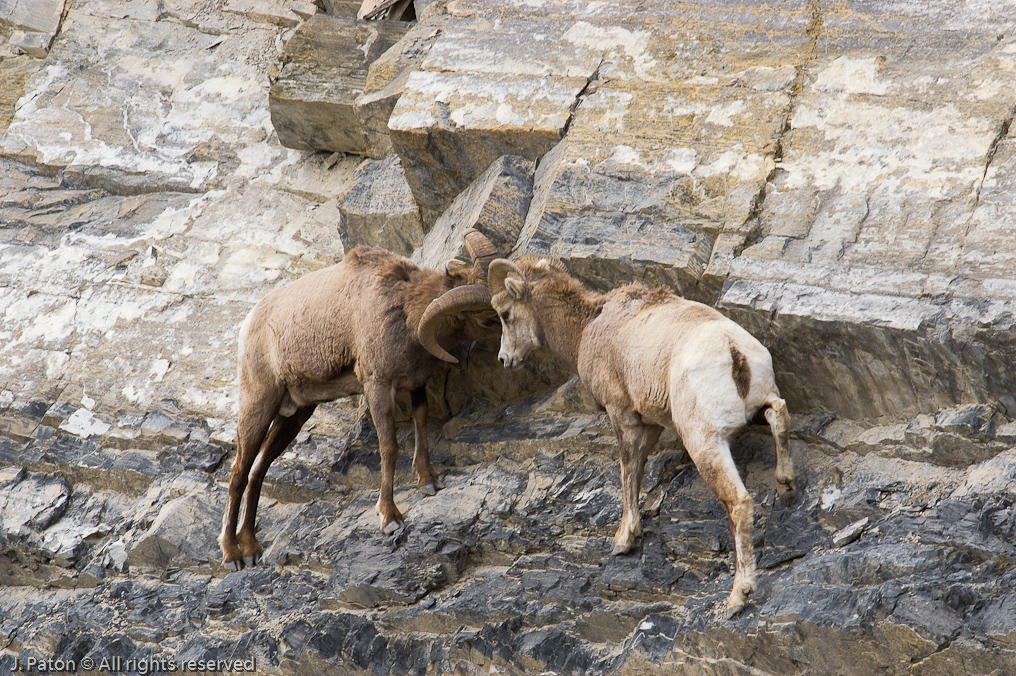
pixel 652 360
pixel 373 324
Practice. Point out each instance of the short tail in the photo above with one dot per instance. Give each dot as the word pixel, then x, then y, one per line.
pixel 740 371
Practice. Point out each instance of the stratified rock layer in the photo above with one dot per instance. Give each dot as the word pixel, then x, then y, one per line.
pixel 481 93
pixel 324 71
pixel 671 143
pixel 35 23
pixel 386 82
pixel 881 234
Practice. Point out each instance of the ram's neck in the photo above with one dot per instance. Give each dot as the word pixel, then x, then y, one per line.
pixel 565 310
pixel 426 285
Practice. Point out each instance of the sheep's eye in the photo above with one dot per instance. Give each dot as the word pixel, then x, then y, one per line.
pixel 504 317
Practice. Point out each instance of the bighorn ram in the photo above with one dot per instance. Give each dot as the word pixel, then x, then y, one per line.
pixel 652 360
pixel 373 324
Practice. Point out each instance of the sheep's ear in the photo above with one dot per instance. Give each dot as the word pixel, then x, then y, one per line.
pixel 515 287
pixel 455 267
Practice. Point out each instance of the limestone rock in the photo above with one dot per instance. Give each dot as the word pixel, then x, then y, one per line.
pixel 324 71
pixel 378 209
pixel 386 81
pixel 278 12
pixel 496 204
pixel 32 43
pixel 848 534
pixel 15 70
pixel 895 253
pixel 33 504
pixel 151 152
pixel 996 475
pixel 344 8
pixel 373 110
pixel 38 16
pixel 304 10
pixel 667 151
pixel 481 94
pixel 184 532
pixel 468 132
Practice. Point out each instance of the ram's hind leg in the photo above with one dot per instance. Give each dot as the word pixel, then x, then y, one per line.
pixel 281 434
pixel 635 441
pixel 779 422
pixel 711 454
pixel 252 425
pixel 430 482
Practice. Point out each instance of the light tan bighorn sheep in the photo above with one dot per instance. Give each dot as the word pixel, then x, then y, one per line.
pixel 373 324
pixel 652 360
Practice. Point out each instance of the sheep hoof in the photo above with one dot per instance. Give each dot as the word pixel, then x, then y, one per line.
pixel 438 484
pixel 734 609
pixel 621 549
pixel 251 560
pixel 429 489
pixel 788 496
pixel 391 526
pixel 238 564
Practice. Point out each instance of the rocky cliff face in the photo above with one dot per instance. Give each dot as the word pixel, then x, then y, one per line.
pixel 834 176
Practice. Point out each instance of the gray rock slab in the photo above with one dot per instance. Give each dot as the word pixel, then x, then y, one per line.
pixel 324 71
pixel 449 127
pixel 278 12
pixel 38 16
pixel 178 101
pixel 184 532
pixel 482 93
pixel 495 204
pixel 662 165
pixel 996 475
pixel 954 351
pixel 386 81
pixel 378 209
pixel 144 10
pixel 848 534
pixel 344 8
pixel 373 109
pixel 127 237
pixel 33 504
pixel 567 49
pixel 32 43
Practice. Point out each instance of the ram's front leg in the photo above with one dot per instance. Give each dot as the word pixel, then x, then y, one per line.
pixel 381 402
pixel 635 441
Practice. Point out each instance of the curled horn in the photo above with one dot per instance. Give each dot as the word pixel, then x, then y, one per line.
pixel 480 250
pixel 498 271
pixel 460 299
